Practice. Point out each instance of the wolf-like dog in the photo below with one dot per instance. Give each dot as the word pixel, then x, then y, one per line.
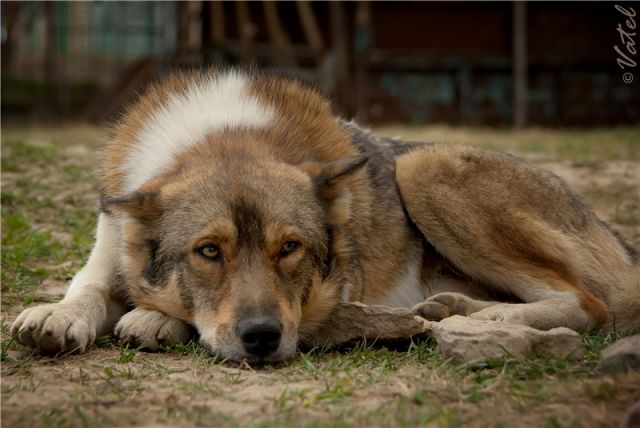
pixel 237 204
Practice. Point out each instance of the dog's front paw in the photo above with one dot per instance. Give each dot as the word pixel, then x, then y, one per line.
pixel 151 329
pixel 54 328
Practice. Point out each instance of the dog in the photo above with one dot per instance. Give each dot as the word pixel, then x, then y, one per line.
pixel 239 205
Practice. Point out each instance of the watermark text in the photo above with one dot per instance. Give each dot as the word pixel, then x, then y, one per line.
pixel 626 52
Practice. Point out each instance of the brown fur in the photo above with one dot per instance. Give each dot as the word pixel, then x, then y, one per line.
pixel 365 219
pixel 514 243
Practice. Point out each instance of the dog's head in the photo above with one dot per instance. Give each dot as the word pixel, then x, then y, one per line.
pixel 236 245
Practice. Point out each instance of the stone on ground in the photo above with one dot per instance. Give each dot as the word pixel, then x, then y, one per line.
pixel 621 356
pixel 467 340
pixel 462 339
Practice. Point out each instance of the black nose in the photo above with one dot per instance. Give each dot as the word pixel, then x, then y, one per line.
pixel 259 336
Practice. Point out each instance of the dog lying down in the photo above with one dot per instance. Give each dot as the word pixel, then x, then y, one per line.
pixel 239 204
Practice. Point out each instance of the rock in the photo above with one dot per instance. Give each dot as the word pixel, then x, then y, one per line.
pixel 621 356
pixel 462 339
pixel 467 340
pixel 352 321
pixel 633 417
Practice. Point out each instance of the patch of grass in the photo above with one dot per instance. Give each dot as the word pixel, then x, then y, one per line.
pixel 127 354
pixel 12 201
pixel 82 224
pixel 626 215
pixel 7 343
pixel 426 351
pixel 528 380
pixel 64 418
pixel 23 247
pixel 195 388
pixel 125 373
pixel 18 156
pixel 75 172
pixel 39 232
pixel 104 342
pixel 334 391
pixel 365 364
pixel 28 384
pixel 319 362
pixel 193 349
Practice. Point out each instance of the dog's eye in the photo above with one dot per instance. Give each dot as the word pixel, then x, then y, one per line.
pixel 211 252
pixel 289 247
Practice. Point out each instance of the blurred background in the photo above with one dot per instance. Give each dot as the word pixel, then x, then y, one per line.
pixel 537 79
pixel 460 63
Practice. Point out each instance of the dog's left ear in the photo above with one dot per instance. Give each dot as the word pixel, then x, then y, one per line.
pixel 329 182
pixel 143 206
pixel 328 173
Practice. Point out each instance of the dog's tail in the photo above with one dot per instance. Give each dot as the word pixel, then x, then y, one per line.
pixel 624 316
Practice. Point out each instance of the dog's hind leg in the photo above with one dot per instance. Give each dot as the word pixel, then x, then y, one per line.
pixel 90 306
pixel 506 225
pixel 443 305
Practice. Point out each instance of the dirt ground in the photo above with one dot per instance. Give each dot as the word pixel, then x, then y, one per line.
pixel 48 205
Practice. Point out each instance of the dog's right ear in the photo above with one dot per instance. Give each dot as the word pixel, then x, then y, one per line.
pixel 143 206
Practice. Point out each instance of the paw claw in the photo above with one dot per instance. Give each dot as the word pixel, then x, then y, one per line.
pixel 53 328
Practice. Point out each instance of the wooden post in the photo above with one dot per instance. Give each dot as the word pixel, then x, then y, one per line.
pixel 311 29
pixel 50 69
pixel 189 34
pixel 50 46
pixel 15 16
pixel 217 24
pixel 341 52
pixel 182 31
pixel 195 26
pixel 246 29
pixel 283 51
pixel 362 45
pixel 519 64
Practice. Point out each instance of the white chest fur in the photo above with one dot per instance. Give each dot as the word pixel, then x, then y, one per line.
pixel 408 289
